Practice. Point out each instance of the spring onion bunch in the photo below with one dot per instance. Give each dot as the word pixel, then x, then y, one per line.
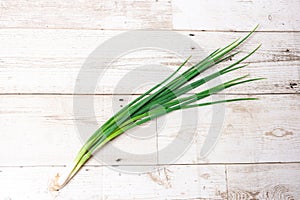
pixel 163 98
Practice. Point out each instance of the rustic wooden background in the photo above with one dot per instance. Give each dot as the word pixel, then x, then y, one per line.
pixel 44 43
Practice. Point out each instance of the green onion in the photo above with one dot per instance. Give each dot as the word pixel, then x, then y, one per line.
pixel 163 98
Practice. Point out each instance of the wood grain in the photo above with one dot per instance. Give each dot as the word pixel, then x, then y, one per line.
pixel 258 131
pixel 43 45
pixel 161 14
pixel 252 132
pixel 236 15
pixel 86 14
pixel 30 64
pixel 171 182
pixel 263 181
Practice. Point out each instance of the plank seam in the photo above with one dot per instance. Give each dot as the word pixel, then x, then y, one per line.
pixel 127 94
pixel 162 165
pixel 165 29
pixel 226 182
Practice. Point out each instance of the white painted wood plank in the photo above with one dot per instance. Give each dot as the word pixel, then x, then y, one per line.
pixel 172 182
pixel 34 43
pixel 263 181
pixel 179 14
pixel 236 15
pixel 30 64
pixel 47 125
pixel 86 14
pixel 40 130
pixel 255 131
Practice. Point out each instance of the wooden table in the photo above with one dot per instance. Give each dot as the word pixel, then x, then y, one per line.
pixel 43 44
